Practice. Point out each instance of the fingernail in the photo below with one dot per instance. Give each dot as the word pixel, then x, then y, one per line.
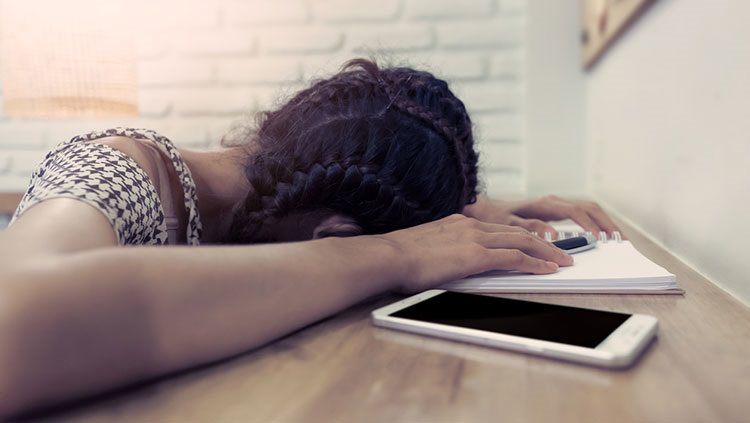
pixel 569 259
pixel 552 265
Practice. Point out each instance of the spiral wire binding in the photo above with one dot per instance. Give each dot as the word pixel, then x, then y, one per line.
pixel 603 238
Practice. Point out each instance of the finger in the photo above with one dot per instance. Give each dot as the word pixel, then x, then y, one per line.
pixel 533 225
pixel 529 244
pixel 547 208
pixel 498 228
pixel 518 260
pixel 601 218
pixel 579 215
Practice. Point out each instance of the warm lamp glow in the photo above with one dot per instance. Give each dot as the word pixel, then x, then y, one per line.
pixel 72 58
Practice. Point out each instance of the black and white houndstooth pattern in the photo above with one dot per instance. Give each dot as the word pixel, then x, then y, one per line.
pixel 113 183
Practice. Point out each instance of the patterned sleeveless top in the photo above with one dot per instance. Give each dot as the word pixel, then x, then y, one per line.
pixel 113 183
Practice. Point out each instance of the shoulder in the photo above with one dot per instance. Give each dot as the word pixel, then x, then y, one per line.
pixel 121 188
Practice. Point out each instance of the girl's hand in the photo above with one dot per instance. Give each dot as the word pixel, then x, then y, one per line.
pixel 458 246
pixel 533 215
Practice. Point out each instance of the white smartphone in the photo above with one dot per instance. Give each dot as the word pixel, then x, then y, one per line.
pixel 595 337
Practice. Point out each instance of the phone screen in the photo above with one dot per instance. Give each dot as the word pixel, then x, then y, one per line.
pixel 548 322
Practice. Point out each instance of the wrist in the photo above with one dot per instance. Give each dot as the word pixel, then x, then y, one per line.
pixel 377 261
pixel 396 260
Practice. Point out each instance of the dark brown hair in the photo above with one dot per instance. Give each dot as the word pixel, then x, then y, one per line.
pixel 389 148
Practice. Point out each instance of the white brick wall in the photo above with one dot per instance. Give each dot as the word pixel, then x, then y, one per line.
pixel 205 65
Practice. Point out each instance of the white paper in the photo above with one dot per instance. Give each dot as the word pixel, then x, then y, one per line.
pixel 611 265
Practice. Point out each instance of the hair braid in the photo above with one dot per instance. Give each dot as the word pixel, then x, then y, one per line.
pixel 445 114
pixel 349 144
pixel 317 187
pixel 443 127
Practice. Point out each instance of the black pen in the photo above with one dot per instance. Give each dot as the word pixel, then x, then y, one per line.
pixel 576 244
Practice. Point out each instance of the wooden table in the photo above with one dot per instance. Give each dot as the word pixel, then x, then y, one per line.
pixel 345 370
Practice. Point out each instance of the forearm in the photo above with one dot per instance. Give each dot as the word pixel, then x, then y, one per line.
pixel 247 296
pixel 108 317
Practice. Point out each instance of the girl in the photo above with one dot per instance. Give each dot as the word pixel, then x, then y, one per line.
pixel 350 189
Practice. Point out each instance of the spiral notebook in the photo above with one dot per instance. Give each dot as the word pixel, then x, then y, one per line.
pixel 613 267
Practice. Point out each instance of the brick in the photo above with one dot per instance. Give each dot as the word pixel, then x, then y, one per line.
pixel 347 11
pixel 231 136
pixel 259 70
pixel 450 9
pixel 14 183
pixel 273 97
pixel 322 65
pixel 267 97
pixel 183 132
pixel 254 12
pixel 494 33
pixel 62 131
pixel 216 43
pixel 451 65
pixel 175 72
pixel 506 65
pixel 489 95
pixel 513 6
pixel 16 134
pixel 150 45
pixel 503 183
pixel 179 130
pixel 235 130
pixel 378 38
pixel 497 127
pixel 23 162
pixel 305 40
pixel 505 156
pixel 154 103
pixel 171 14
pixel 5 164
pixel 213 100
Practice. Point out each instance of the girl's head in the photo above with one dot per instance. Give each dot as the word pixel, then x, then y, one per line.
pixel 366 151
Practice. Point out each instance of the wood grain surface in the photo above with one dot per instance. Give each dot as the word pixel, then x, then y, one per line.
pixel 345 370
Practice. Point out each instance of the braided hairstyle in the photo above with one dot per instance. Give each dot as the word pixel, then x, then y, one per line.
pixel 388 148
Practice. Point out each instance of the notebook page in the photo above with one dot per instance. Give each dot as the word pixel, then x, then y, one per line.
pixel 609 265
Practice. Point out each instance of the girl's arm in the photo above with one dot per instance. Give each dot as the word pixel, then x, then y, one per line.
pixel 79 321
